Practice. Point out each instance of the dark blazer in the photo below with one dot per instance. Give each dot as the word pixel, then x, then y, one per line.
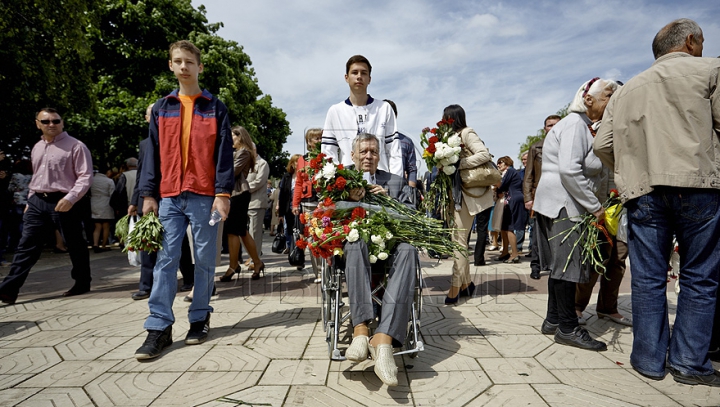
pixel 397 188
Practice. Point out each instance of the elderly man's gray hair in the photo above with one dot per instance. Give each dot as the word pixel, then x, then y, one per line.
pixel 672 36
pixel 363 137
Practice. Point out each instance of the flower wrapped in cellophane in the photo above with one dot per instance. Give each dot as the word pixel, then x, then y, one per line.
pixel 441 149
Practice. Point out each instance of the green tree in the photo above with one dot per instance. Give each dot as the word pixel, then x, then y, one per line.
pixel 107 63
pixel 131 71
pixel 540 135
pixel 45 49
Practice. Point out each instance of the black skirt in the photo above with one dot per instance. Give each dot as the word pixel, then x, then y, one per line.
pixel 237 220
pixel 554 252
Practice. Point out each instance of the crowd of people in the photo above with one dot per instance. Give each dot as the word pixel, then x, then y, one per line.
pixel 615 137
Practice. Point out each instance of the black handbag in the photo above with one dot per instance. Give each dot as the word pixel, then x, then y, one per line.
pixel 296 256
pixel 279 244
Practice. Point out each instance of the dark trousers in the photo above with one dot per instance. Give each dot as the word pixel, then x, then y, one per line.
pixel 481 226
pixel 39 220
pixel 561 304
pixel 148 260
pixel 534 252
pixel 609 285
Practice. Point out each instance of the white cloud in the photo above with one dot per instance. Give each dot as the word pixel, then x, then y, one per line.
pixel 509 64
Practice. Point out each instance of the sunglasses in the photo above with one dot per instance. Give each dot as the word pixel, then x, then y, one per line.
pixel 53 121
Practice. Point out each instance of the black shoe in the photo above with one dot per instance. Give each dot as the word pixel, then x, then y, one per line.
pixel 77 290
pixel 712 379
pixel 580 338
pixel 140 295
pixel 198 332
pixel 8 299
pixel 468 291
pixel 535 275
pixel 529 255
pixel 186 287
pixel 154 344
pixel 548 328
pixel 479 263
pixel 502 258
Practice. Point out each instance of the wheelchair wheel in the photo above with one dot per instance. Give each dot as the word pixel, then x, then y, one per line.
pixel 326 293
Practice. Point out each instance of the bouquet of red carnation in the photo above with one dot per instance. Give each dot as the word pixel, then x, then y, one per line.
pixel 331 180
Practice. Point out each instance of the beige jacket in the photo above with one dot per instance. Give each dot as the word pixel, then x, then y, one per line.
pixel 474 153
pixel 662 127
pixel 257 182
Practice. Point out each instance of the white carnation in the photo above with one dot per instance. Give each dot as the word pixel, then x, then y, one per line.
pixel 445 162
pixel 440 150
pixel 376 239
pixel 454 141
pixel 388 236
pixel 373 259
pixel 353 236
pixel 452 159
pixel 382 256
pixel 449 170
pixel 328 171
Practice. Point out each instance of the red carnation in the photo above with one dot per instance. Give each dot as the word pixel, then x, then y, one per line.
pixel 329 188
pixel 302 218
pixel 346 229
pixel 449 120
pixel 440 123
pixel 614 192
pixel 433 131
pixel 358 213
pixel 431 149
pixel 340 167
pixel 301 244
pixel 306 231
pixel 340 183
pixel 327 230
pixel 433 139
pixel 320 156
pixel 328 202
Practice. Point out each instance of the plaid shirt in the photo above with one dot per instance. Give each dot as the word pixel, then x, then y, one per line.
pixel 408 157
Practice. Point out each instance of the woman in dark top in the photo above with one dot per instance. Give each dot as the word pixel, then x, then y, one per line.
pixel 515 215
pixel 287 189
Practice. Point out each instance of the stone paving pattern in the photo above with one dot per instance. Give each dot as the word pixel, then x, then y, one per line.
pixel 267 347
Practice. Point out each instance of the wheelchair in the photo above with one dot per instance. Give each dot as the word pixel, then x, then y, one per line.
pixel 335 313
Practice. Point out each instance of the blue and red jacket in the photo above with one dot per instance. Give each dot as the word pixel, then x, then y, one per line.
pixel 209 169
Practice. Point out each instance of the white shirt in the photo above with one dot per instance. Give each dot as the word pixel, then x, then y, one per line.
pixel 345 121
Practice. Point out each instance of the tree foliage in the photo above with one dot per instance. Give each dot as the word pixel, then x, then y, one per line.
pixel 540 135
pixel 115 62
pixel 44 46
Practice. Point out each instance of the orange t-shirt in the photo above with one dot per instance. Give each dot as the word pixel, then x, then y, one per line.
pixel 187 101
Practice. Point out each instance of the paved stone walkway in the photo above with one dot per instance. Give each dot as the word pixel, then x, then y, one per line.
pixel 267 347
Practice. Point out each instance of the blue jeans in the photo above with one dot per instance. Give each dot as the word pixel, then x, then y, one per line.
pixel 693 215
pixel 175 214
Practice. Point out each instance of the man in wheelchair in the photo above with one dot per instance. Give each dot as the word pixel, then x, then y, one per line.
pixel 398 296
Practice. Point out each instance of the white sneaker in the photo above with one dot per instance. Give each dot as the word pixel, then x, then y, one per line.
pixel 385 367
pixel 358 349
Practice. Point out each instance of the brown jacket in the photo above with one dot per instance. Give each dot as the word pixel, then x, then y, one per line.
pixel 532 171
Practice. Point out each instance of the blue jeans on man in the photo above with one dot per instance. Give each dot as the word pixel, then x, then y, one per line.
pixel 693 215
pixel 175 214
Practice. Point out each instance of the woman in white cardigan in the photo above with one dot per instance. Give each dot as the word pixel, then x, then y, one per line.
pixel 571 174
pixel 466 203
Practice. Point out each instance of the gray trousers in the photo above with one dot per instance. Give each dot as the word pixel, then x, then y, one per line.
pixel 398 297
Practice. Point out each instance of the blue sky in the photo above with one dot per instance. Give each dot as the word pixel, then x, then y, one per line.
pixel 508 63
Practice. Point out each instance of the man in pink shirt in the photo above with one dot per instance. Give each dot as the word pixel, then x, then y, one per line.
pixel 62 174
